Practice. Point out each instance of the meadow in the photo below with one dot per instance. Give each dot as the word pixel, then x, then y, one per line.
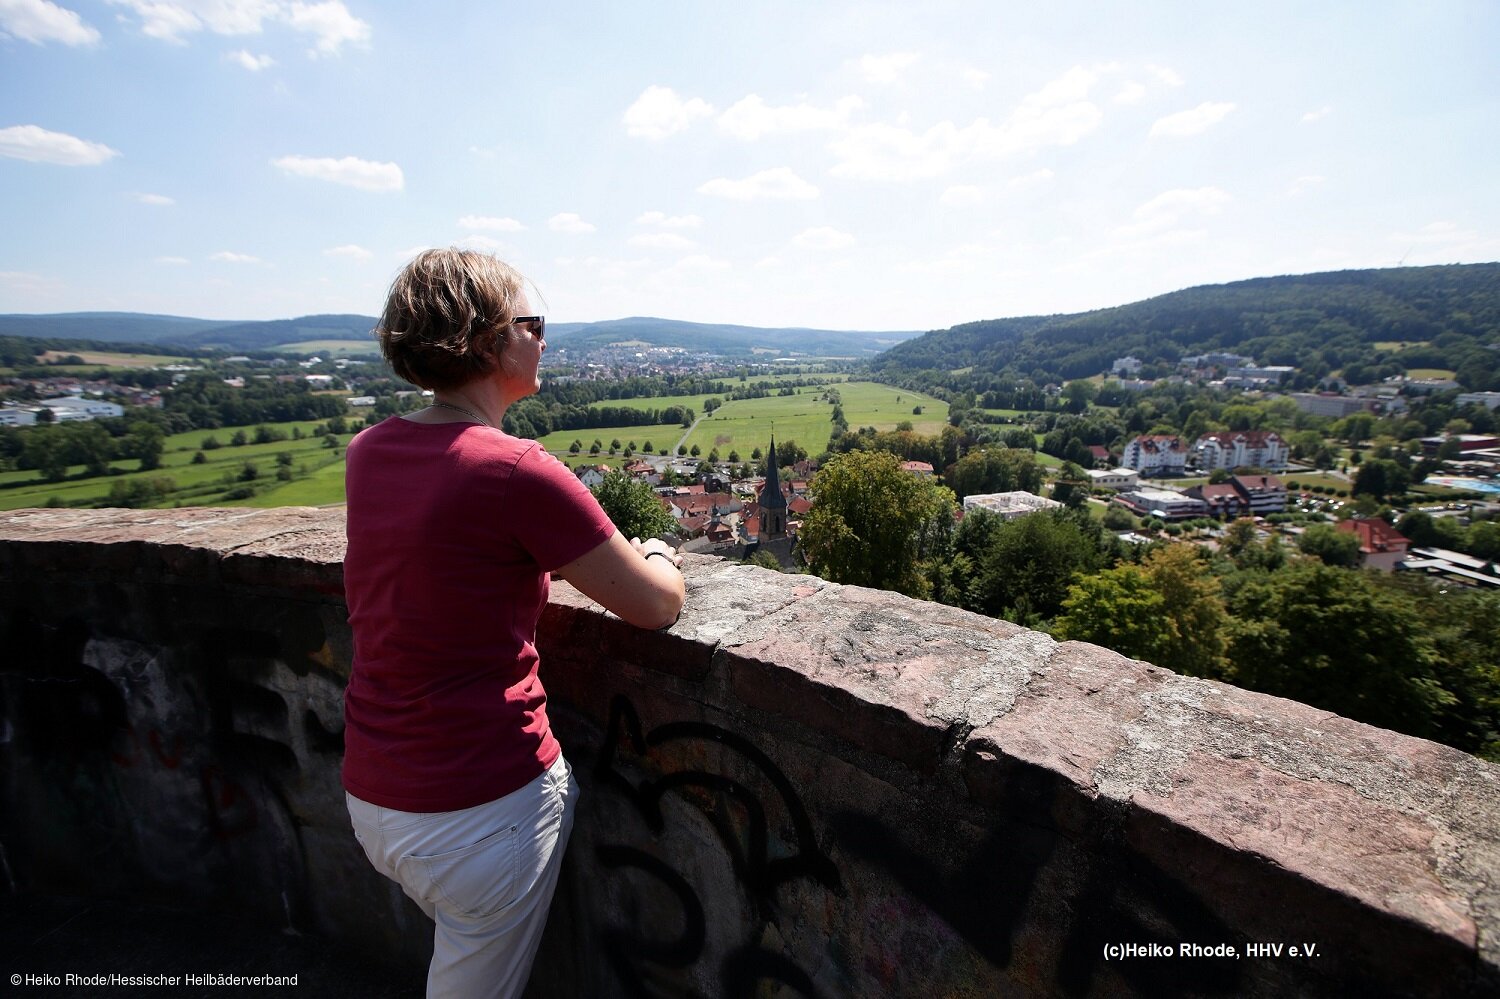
pixel 317 470
pixel 746 424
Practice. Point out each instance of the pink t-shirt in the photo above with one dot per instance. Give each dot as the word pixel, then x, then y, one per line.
pixel 453 529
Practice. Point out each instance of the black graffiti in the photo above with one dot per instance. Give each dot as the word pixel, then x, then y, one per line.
pixel 742 829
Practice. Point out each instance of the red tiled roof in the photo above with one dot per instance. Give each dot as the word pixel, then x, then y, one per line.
pixel 1374 534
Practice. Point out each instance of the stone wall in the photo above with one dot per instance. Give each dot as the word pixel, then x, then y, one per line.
pixel 800 789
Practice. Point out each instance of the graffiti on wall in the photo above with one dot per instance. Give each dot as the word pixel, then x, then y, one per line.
pixel 740 813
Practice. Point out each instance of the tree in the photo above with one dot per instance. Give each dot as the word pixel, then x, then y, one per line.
pixel 1380 478
pixel 1025 571
pixel 874 524
pixel 995 470
pixel 1339 641
pixel 1194 620
pixel 636 511
pixel 1331 545
pixel 695 450
pixel 1118 608
pixel 146 442
pixel 575 447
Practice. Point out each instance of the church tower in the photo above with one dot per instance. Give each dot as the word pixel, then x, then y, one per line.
pixel 772 502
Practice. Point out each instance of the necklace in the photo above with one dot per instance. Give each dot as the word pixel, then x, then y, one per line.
pixel 459 409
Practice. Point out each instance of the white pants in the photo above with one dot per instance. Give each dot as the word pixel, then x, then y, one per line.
pixel 485 875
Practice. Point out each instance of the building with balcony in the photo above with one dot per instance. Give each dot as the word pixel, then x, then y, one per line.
pixel 1156 455
pixel 1241 449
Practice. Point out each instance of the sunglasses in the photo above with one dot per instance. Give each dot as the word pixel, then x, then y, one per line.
pixel 535 325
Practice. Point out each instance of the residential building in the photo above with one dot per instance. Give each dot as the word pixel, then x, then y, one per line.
pixel 1262 493
pixel 1381 546
pixel 1156 455
pixel 1331 404
pixel 1167 504
pixel 921 469
pixel 1241 449
pixel 1011 505
pixel 1126 366
pixel 1224 501
pixel 1217 359
pixel 1114 478
pixel 1489 400
pixel 1270 374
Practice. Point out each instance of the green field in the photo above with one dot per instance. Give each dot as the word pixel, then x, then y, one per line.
pixel 661 436
pixel 362 348
pixel 318 473
pixel 113 359
pixel 746 424
pixel 1429 373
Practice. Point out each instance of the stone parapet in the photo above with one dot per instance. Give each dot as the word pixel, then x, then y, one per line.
pixel 820 788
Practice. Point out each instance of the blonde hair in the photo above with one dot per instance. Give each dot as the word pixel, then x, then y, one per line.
pixel 447 315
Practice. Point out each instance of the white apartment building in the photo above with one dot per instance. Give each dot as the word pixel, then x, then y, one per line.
pixel 1241 449
pixel 68 408
pixel 1159 455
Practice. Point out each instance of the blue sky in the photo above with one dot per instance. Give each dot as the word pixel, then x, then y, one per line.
pixel 840 165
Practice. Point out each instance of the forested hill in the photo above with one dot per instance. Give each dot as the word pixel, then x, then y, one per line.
pixel 714 338
pixel 1411 317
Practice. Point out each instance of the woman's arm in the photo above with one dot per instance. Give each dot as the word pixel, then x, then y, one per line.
pixel 631 580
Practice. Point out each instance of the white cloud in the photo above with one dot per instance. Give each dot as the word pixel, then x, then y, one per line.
pixel 1057 115
pixel 490 222
pixel 1194 122
pixel 887 68
pixel 823 238
pixel 962 196
pixel 1312 116
pixel 1033 179
pixel 1302 185
pixel 230 257
pixel 669 221
pixel 775 184
pixel 349 251
pixel 659 112
pixel 28 283
pixel 254 63
pixel 1446 242
pixel 1170 208
pixel 662 241
pixel 349 170
pixel 29 142
pixel 569 222
pixel 975 78
pixel 329 22
pixel 475 242
pixel 1130 93
pixel 159 200
pixel 1164 75
pixel 40 21
pixel 174 261
pixel 752 118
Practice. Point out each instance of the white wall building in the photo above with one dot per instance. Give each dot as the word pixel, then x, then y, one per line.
pixel 67 408
pixel 1113 478
pixel 1168 504
pixel 1158 455
pixel 1241 449
pixel 1009 505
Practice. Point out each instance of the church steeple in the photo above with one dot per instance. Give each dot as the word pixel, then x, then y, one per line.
pixel 772 502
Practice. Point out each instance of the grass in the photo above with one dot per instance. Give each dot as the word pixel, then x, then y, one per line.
pixel 346 347
pixel 1398 344
pixel 319 470
pixel 661 436
pixel 113 359
pixel 746 424
pixel 1429 373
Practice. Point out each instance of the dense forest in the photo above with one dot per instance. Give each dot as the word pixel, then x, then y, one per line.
pixel 1404 318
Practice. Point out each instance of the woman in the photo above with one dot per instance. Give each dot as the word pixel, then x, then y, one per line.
pixel 455 785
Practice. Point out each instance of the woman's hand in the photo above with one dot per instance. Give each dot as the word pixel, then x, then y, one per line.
pixel 657 546
pixel 626 578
